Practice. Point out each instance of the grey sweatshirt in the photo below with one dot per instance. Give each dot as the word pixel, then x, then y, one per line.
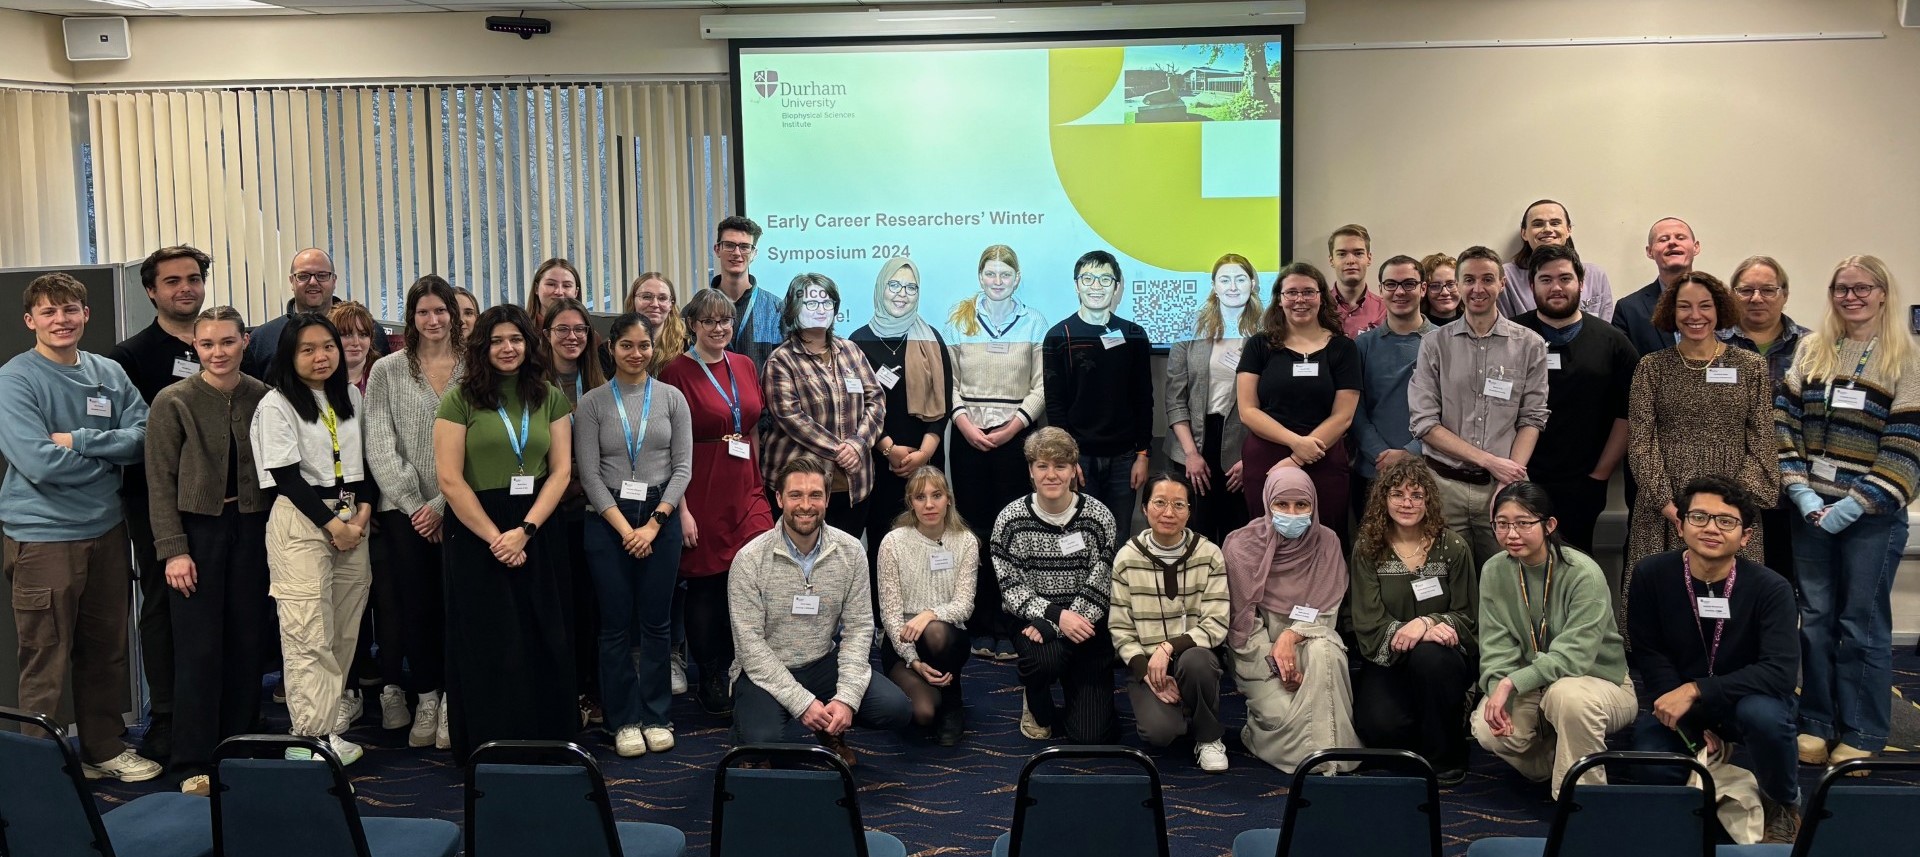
pixel 769 640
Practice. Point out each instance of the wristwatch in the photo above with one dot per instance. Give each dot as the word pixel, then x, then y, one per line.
pixel 530 527
pixel 659 517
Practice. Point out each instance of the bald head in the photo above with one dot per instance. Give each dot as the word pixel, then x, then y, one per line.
pixel 1672 247
pixel 312 280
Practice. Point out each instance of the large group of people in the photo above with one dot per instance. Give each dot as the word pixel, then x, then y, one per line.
pixel 1378 517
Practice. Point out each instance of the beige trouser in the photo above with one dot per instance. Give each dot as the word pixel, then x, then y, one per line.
pixel 320 593
pixel 1578 713
pixel 1464 508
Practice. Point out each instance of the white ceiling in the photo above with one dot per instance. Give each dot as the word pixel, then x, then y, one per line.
pixel 79 8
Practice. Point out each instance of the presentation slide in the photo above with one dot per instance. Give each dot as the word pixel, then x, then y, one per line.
pixel 1166 153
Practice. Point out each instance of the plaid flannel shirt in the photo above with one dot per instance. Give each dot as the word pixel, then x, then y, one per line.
pixel 811 410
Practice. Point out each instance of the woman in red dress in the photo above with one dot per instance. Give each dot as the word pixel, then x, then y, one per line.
pixel 724 507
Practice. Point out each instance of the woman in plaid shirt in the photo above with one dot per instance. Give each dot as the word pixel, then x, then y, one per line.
pixel 824 400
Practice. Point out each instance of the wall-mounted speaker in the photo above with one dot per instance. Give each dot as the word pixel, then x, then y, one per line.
pixel 96 39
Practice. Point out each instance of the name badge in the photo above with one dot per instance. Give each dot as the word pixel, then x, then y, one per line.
pixel 1427 587
pixel 1072 543
pixel 1723 375
pixel 99 406
pixel 806 605
pixel 737 448
pixel 631 490
pixel 1714 608
pixel 1497 388
pixel 1553 362
pixel 183 368
pixel 887 377
pixel 1113 338
pixel 940 561
pixel 998 347
pixel 853 384
pixel 520 486
pixel 1303 613
pixel 1824 469
pixel 1306 370
pixel 1229 359
pixel 1847 397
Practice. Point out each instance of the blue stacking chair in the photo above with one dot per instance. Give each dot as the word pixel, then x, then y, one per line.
pixel 265 805
pixel 1610 820
pixel 548 797
pixel 1051 812
pixel 802 813
pixel 1396 814
pixel 1848 818
pixel 46 808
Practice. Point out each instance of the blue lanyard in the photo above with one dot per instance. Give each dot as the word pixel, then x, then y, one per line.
pixel 646 413
pixel 518 441
pixel 579 387
pixel 733 404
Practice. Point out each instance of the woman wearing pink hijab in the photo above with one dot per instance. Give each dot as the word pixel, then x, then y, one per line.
pixel 1286 578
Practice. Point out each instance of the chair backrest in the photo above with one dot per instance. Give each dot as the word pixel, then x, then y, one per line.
pixel 265 805
pixel 537 797
pixel 1641 820
pixel 1849 817
pixel 1394 813
pixel 1112 815
pixel 773 813
pixel 46 809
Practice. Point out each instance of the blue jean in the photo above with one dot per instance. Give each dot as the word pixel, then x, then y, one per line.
pixel 1110 480
pixel 1763 724
pixel 1846 627
pixel 636 599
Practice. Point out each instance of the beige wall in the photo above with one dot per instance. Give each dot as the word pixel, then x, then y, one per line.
pixel 31 49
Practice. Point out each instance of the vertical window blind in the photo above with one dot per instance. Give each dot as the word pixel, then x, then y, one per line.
pixel 39 190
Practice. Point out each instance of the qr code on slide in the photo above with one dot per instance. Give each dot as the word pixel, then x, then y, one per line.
pixel 1166 308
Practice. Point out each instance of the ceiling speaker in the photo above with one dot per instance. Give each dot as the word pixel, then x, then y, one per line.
pixel 96 39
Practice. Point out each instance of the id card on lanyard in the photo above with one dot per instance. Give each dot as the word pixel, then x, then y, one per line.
pixel 1849 397
pixel 1708 607
pixel 632 488
pixel 521 484
pixel 736 442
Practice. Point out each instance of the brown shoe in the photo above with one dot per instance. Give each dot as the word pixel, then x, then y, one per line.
pixel 838 745
pixel 1783 823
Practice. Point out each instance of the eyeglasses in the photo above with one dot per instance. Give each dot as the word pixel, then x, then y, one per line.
pixel 1723 523
pixel 1300 294
pixel 1859 291
pixel 1104 281
pixel 1768 292
pixel 899 288
pixel 644 298
pixel 1414 497
pixel 1443 285
pixel 1520 526
pixel 1399 285
pixel 714 322
pixel 817 306
pixel 733 247
pixel 1164 505
pixel 564 331
pixel 313 277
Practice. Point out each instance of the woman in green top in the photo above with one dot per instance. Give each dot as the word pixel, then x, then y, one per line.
pixel 1551 661
pixel 1415 595
pixel 502 447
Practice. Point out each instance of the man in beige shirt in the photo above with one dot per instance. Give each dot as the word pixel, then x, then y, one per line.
pixel 1477 401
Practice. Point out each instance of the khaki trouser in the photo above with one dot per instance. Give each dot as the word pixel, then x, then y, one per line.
pixel 70 605
pixel 320 593
pixel 1558 725
pixel 1464 508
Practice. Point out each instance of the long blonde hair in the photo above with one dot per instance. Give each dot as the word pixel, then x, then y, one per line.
pixel 1817 361
pixel 1208 325
pixel 929 475
pixel 965 316
pixel 671 341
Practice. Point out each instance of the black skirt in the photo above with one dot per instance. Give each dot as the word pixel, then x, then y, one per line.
pixel 509 655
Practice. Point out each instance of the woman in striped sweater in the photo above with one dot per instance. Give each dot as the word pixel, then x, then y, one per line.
pixel 1848 419
pixel 925 576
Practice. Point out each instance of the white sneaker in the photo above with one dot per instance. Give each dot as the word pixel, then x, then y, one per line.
pixel 1212 756
pixel 348 751
pixel 349 710
pixel 659 738
pixel 128 767
pixel 629 742
pixel 677 674
pixel 440 739
pixel 393 708
pixel 426 717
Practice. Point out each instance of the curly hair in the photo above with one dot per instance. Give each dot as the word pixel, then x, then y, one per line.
pixel 1724 311
pixel 1376 525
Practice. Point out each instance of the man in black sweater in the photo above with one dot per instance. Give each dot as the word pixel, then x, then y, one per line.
pixel 1099 384
pixel 1717 646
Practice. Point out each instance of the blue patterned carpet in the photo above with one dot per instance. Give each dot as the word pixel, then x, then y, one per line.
pixel 942 801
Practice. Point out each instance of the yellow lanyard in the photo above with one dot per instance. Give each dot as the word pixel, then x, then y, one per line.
pixel 332 422
pixel 1537 629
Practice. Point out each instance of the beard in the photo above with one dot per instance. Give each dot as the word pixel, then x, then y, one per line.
pixel 1573 306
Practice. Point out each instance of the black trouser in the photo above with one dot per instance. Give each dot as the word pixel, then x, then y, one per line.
pixel 156 631
pixel 983 484
pixel 381 652
pixel 219 633
pixel 412 573
pixel 1219 511
pixel 1577 504
pixel 943 647
pixel 709 627
pixel 1777 525
pixel 583 599
pixel 1196 672
pixel 844 514
pixel 1085 673
pixel 1418 704
pixel 888 500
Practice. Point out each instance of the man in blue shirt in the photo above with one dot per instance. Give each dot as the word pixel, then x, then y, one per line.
pixel 1388 353
pixel 73 420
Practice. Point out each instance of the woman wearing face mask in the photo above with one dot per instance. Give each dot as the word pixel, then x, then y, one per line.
pixel 925 581
pixel 1414 596
pixel 909 359
pixel 651 295
pixel 1442 303
pixel 1548 222
pixel 1845 418
pixel 1551 661
pixel 825 401
pixel 1286 579
pixel 555 279
pixel 1202 409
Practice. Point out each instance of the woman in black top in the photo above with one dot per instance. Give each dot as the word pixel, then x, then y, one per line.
pixel 1298 385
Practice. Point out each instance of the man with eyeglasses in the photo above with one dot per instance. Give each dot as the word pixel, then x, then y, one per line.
pixel 1672 247
pixel 313 282
pixel 1589 378
pixel 1098 376
pixel 756 326
pixel 1477 401
pixel 1350 254
pixel 1717 647
pixel 1387 355
pixel 1760 291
